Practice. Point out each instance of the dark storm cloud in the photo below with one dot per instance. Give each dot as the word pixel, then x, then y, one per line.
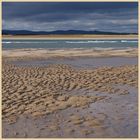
pixel 48 16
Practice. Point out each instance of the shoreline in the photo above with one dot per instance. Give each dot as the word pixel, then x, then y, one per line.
pixel 48 53
pixel 70 37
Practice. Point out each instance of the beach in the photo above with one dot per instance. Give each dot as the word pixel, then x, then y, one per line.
pixel 70 69
pixel 70 93
pixel 130 36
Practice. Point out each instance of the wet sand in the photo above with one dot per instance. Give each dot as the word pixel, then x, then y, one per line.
pixel 32 53
pixel 79 62
pixel 61 100
pixel 114 116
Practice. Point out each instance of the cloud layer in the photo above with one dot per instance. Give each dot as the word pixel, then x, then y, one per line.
pixel 50 16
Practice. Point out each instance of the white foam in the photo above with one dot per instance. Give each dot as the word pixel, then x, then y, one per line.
pixel 130 41
pixel 25 42
pixel 74 42
pixel 81 42
pixel 102 41
pixel 93 41
pixel 6 42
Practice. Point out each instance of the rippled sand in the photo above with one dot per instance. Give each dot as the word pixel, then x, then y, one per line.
pixel 60 93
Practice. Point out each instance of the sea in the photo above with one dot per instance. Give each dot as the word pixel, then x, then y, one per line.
pixel 69 44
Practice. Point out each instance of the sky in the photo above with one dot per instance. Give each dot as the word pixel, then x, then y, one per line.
pixel 51 16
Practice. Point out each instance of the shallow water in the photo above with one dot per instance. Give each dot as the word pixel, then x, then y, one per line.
pixel 118 114
pixel 122 113
pixel 83 62
pixel 76 43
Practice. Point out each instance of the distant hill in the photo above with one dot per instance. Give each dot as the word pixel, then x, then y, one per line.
pixel 60 32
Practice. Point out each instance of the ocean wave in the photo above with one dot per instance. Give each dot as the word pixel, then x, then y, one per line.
pixel 70 42
pixel 76 42
pixel 102 41
pixel 23 42
pixel 6 42
pixel 95 41
pixel 129 41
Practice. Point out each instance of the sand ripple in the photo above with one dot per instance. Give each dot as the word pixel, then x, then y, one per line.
pixel 44 90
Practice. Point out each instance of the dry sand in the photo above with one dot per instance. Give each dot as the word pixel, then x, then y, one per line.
pixel 70 37
pixel 49 91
